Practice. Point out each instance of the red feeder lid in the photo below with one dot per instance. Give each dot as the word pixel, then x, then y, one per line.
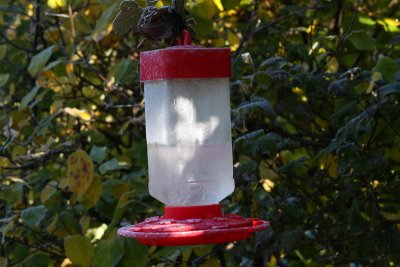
pixel 185 61
pixel 208 226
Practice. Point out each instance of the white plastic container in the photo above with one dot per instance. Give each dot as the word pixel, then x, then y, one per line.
pixel 188 126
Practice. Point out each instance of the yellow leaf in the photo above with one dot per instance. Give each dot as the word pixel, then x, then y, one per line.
pixel 330 164
pixel 80 172
pixel 219 4
pixel 56 3
pixel 4 162
pixel 272 262
pixel 94 193
pixel 268 185
pixel 234 41
pixel 82 114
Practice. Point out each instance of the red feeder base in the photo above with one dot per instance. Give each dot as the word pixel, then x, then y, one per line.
pixel 193 226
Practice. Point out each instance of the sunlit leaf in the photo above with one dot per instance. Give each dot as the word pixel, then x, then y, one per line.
pixel 80 172
pixel 219 4
pixel 82 114
pixel 375 77
pixel 56 3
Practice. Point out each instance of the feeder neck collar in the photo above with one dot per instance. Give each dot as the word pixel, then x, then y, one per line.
pixel 192 212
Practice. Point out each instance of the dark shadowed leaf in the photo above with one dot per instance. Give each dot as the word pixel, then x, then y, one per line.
pixel 128 17
pixel 135 254
pixel 108 253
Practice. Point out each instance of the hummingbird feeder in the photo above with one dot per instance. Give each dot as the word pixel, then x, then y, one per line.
pixel 188 132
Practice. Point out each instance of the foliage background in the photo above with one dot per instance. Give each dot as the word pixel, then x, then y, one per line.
pixel 315 122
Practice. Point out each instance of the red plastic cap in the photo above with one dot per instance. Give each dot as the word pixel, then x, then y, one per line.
pixel 185 61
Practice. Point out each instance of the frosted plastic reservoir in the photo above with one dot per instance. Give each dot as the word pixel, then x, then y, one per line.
pixel 188 132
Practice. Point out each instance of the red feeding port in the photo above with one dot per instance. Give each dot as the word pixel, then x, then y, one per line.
pixel 193 226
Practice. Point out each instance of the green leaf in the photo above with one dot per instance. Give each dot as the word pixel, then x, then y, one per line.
pixel 122 72
pixel 127 18
pixel 108 253
pixel 79 250
pixel 122 205
pixel 388 68
pixel 124 127
pixel 135 254
pixel 48 192
pixel 29 97
pixel 112 165
pixel 3 262
pixel 269 144
pixel 361 40
pixel 98 154
pixel 263 79
pixel 4 79
pixel 257 103
pixel 289 238
pixel 38 62
pixel 33 216
pixel 37 259
pixel 3 50
pixel 293 166
pixel 103 24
